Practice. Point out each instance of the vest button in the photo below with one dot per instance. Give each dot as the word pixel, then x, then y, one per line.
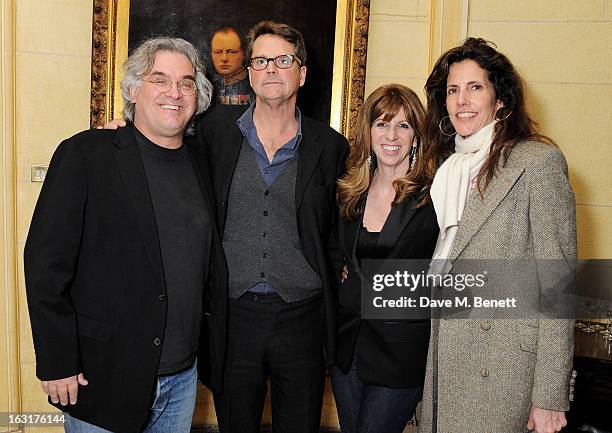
pixel 262 274
pixel 267 192
pixel 162 297
pixel 265 233
pixel 265 255
pixel 157 341
pixel 265 213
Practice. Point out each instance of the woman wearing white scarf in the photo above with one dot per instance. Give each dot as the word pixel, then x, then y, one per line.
pixel 454 181
pixel 502 193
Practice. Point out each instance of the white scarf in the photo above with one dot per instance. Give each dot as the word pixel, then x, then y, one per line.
pixel 452 185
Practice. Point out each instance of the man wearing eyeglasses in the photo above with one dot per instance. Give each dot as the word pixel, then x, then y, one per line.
pixel 118 258
pixel 274 173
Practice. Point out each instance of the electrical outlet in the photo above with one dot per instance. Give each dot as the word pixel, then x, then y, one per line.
pixel 38 172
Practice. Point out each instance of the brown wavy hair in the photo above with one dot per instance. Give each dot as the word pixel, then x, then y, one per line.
pixel 515 125
pixel 386 101
pixel 285 31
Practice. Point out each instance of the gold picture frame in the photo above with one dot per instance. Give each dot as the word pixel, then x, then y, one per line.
pixel 109 50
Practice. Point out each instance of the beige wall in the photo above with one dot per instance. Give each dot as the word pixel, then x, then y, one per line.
pixel 51 58
pixel 398 44
pixel 562 48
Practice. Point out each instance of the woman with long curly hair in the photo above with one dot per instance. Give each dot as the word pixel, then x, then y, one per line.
pixel 502 193
pixel 386 213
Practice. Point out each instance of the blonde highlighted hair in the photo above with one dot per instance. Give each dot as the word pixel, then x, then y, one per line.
pixel 386 102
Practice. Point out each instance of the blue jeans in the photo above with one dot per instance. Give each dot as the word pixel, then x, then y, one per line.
pixel 371 409
pixel 172 409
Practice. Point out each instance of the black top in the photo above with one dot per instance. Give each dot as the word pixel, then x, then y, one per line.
pixel 184 230
pixel 366 244
pixel 369 245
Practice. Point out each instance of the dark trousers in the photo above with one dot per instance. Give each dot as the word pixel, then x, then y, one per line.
pixel 371 409
pixel 271 339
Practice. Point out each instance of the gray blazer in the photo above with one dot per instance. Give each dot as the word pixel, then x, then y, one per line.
pixel 483 375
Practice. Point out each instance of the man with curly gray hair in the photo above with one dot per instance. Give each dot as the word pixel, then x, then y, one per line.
pixel 118 256
pixel 140 63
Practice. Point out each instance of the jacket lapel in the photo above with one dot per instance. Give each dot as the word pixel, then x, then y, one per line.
pixel 132 174
pixel 397 220
pixel 231 152
pixel 351 231
pixel 308 156
pixel 477 210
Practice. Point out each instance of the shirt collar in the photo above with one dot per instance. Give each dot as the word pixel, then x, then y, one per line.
pixel 245 123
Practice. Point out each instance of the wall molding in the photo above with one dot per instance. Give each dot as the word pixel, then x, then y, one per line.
pixel 448 26
pixel 10 391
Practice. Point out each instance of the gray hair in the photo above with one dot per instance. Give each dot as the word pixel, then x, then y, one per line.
pixel 140 63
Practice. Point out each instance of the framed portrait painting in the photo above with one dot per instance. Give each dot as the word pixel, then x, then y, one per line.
pixel 335 33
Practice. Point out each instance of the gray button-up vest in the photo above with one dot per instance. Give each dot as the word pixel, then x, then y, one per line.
pixel 261 239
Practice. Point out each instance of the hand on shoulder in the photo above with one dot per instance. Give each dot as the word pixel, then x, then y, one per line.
pixel 113 124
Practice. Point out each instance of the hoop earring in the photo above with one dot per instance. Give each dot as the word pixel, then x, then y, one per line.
pixel 442 131
pixel 503 118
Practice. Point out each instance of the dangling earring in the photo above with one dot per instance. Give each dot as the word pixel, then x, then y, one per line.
pixel 412 155
pixel 371 160
pixel 442 130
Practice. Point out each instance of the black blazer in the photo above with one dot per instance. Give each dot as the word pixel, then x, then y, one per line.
pixel 321 155
pixel 389 353
pixel 94 278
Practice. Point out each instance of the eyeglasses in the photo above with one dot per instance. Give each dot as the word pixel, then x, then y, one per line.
pixel 284 61
pixel 186 86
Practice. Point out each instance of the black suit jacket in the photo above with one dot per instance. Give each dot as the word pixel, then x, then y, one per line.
pixel 94 278
pixel 389 353
pixel 321 155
